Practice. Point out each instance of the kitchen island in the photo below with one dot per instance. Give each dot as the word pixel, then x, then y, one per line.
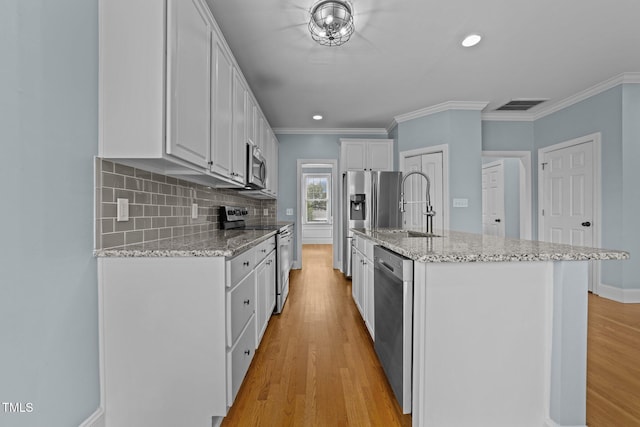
pixel 499 328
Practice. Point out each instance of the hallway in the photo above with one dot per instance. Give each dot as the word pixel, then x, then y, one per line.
pixel 316 365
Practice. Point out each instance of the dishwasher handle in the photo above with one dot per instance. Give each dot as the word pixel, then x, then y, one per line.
pixel 385 265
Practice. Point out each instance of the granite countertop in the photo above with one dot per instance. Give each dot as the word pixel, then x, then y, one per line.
pixel 455 246
pixel 217 243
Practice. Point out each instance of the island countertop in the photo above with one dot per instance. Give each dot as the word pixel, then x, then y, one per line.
pixel 456 246
pixel 216 243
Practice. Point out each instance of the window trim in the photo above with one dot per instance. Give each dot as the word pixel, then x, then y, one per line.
pixel 328 177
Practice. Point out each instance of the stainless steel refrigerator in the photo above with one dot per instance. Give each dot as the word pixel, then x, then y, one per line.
pixel 370 199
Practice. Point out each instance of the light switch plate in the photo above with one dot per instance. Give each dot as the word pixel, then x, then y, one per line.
pixel 122 213
pixel 460 203
pixel 289 211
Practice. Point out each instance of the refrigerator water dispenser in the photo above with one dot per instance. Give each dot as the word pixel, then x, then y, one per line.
pixel 358 211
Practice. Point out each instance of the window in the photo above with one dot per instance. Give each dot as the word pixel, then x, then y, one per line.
pixel 317 198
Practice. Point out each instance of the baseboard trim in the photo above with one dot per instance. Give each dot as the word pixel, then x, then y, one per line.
pixel 627 296
pixel 551 423
pixel 95 420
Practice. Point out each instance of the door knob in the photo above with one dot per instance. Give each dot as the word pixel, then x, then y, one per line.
pixel 586 224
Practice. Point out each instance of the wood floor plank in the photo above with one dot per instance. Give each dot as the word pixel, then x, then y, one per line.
pixel 316 365
pixel 613 364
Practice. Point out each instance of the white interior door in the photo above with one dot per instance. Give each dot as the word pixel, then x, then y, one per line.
pixel 568 195
pixel 415 190
pixel 569 180
pixel 493 214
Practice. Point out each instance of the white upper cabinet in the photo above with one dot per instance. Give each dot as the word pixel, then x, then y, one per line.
pixel 188 81
pixel 366 154
pixel 240 107
pixel 221 119
pixel 171 97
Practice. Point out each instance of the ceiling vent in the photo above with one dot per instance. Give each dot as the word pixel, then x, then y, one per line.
pixel 520 104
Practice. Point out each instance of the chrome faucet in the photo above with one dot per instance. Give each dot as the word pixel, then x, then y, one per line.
pixel 430 213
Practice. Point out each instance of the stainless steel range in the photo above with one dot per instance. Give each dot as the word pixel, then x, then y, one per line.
pixel 234 218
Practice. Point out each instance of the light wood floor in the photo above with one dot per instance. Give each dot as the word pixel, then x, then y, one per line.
pixel 316 365
pixel 613 364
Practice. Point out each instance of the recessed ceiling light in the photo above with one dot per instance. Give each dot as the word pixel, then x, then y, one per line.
pixel 471 40
pixel 317 117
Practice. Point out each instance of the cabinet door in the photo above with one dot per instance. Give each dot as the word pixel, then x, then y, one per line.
pixel 353 156
pixel 239 128
pixel 379 156
pixel 189 81
pixel 271 290
pixel 251 119
pixel 274 165
pixel 262 284
pixel 369 316
pixel 222 139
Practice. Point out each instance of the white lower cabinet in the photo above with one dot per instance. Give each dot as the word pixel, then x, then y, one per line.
pixel 362 281
pixel 178 334
pixel 265 294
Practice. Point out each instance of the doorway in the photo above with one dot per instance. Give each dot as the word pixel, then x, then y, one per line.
pixel 519 199
pixel 434 162
pixel 317 206
pixel 569 185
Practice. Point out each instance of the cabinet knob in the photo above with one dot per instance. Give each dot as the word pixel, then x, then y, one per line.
pixel 246 263
pixel 247 302
pixel 498 220
pixel 210 162
pixel 586 224
pixel 247 352
pixel 263 250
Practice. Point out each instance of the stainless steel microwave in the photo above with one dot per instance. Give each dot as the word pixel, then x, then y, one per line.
pixel 256 167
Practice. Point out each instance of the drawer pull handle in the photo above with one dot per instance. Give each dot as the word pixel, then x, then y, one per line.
pixel 247 352
pixel 246 263
pixel 247 302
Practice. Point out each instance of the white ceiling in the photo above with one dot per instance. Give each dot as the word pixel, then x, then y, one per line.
pixel 406 55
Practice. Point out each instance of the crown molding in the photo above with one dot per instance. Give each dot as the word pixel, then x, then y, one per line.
pixel 445 106
pixel 587 93
pixel 553 107
pixel 335 131
pixel 501 116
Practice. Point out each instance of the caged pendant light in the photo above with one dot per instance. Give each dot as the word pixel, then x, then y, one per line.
pixel 331 22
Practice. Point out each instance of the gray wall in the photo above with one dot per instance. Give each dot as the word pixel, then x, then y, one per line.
pixel 462 131
pixel 614 113
pixel 512 197
pixel 631 184
pixel 293 147
pixel 48 278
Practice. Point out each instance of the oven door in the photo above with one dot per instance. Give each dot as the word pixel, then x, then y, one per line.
pixel 256 168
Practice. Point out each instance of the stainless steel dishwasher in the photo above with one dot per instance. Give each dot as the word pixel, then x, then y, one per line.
pixel 393 303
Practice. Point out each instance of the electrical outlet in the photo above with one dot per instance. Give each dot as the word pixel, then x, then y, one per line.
pixel 289 211
pixel 460 203
pixel 122 210
pixel 194 211
pixel 265 212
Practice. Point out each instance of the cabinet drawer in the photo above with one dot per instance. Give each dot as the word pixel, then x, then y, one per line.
pixel 239 358
pixel 241 305
pixel 240 266
pixel 264 248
